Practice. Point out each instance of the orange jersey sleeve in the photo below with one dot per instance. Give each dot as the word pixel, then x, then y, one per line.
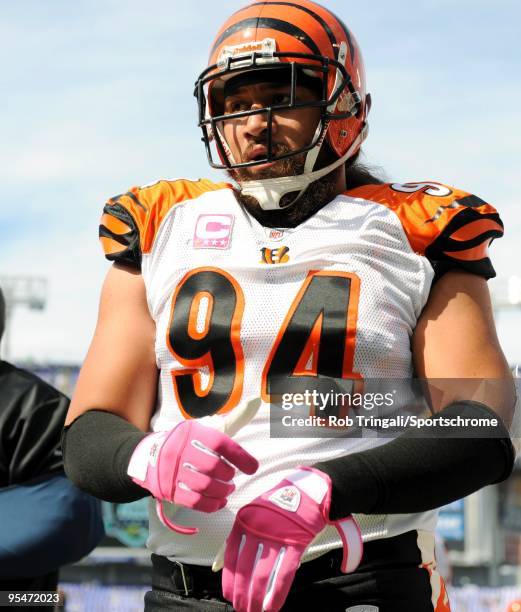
pixel 451 227
pixel 130 221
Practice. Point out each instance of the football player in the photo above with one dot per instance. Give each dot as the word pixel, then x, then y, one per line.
pixel 304 269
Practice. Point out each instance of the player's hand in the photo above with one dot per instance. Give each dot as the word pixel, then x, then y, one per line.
pixel 190 465
pixel 270 535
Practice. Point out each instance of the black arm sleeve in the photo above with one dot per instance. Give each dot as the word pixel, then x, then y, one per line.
pixel 97 447
pixel 415 474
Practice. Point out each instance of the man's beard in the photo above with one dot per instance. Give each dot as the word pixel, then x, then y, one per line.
pixel 318 194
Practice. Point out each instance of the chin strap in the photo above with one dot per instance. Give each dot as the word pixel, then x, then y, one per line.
pixel 268 192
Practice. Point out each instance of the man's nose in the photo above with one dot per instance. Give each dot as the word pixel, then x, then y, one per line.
pixel 257 124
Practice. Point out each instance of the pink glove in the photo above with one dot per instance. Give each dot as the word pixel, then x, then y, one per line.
pixel 270 535
pixel 189 465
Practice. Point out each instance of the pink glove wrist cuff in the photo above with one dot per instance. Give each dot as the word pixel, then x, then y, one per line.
pixel 317 485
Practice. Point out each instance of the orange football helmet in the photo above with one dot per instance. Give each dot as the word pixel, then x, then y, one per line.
pixel 309 43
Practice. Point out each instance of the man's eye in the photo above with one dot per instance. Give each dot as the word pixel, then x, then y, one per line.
pixel 280 98
pixel 235 106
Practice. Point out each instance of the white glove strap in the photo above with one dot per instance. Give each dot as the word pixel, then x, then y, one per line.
pixel 145 454
pixel 311 483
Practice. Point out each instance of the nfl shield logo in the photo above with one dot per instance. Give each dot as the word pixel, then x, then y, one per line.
pixel 274 234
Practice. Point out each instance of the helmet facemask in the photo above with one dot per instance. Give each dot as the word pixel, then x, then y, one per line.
pixel 326 76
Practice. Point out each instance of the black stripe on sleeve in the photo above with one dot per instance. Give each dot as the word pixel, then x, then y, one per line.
pixel 436 252
pixel 130 254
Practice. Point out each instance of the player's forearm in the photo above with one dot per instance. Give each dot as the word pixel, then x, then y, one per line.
pixel 97 448
pixel 415 474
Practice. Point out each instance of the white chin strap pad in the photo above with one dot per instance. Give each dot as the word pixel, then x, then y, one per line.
pixel 268 192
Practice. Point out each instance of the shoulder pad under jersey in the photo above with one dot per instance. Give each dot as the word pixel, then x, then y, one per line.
pixel 130 221
pixel 449 226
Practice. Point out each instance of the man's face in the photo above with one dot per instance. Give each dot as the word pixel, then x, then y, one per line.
pixel 247 137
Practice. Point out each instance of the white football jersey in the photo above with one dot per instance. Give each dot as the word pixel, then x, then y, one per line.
pixel 237 304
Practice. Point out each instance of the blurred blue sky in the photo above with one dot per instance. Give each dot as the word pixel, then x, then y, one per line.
pixel 97 96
